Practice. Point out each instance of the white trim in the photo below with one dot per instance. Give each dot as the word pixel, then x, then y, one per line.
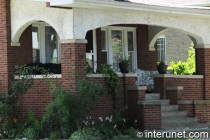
pixel 137 88
pixel 74 41
pixel 94 50
pixel 129 6
pixel 152 49
pixel 175 88
pixel 15 44
pixel 178 76
pixel 202 46
pixel 119 75
pixel 40 76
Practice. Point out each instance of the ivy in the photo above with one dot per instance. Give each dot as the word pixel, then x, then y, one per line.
pixel 112 80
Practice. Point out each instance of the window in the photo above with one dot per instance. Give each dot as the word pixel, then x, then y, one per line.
pixel 46 48
pixel 118 43
pixel 161 48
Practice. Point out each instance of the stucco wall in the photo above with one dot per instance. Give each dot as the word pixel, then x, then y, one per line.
pixel 24 13
pixel 86 19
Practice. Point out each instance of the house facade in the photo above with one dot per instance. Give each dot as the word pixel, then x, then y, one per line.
pixel 106 32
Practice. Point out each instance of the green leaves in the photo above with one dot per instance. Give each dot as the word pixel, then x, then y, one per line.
pixel 187 67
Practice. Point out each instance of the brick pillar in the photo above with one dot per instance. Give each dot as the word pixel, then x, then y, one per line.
pixel 73 57
pixel 5 40
pixel 203 68
pixel 147 60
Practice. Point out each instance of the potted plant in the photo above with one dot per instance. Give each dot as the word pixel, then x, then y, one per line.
pixel 162 67
pixel 124 66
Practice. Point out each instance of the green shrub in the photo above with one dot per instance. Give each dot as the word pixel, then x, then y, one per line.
pixel 87 134
pixel 187 67
pixel 67 109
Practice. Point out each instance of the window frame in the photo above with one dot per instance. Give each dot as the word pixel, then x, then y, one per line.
pixel 125 51
pixel 41 32
pixel 158 50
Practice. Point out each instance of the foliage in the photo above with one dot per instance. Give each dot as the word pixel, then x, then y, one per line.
pixel 161 62
pixel 88 68
pixel 64 113
pixel 104 128
pixel 187 67
pixel 112 78
pixel 9 103
pixel 91 133
pixel 124 61
pixel 130 131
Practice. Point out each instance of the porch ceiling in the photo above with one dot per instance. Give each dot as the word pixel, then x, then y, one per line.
pixel 129 6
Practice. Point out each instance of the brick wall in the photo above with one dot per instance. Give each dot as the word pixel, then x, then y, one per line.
pixel 177 45
pixel 20 55
pixel 190 108
pixel 193 87
pixel 133 96
pixel 73 63
pixel 105 106
pixel 147 60
pixel 203 68
pixel 5 40
pixel 36 99
pixel 173 96
pixel 202 112
pixel 150 117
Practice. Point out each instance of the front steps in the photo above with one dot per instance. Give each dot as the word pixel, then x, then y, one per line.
pixel 172 119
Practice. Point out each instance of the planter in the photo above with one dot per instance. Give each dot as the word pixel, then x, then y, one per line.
pixel 162 69
pixel 124 68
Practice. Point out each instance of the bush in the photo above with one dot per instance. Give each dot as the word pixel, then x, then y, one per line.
pixel 187 67
pixel 65 112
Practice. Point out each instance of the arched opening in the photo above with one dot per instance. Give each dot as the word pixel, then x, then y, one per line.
pixel 116 42
pixel 43 46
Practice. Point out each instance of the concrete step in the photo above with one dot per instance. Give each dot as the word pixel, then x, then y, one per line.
pixel 177 121
pixel 169 108
pixel 152 96
pixel 174 114
pixel 154 102
pixel 185 127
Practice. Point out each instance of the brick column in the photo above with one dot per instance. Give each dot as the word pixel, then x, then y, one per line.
pixel 73 57
pixel 147 60
pixel 5 40
pixel 203 67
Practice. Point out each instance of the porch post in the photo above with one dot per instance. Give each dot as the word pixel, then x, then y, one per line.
pixel 73 66
pixel 203 67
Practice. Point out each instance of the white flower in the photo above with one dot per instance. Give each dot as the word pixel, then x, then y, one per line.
pixel 90 117
pixel 107 118
pixel 111 117
pixel 92 122
pixel 86 122
pixel 115 126
pixel 99 118
pixel 110 120
pixel 135 121
pixel 87 118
